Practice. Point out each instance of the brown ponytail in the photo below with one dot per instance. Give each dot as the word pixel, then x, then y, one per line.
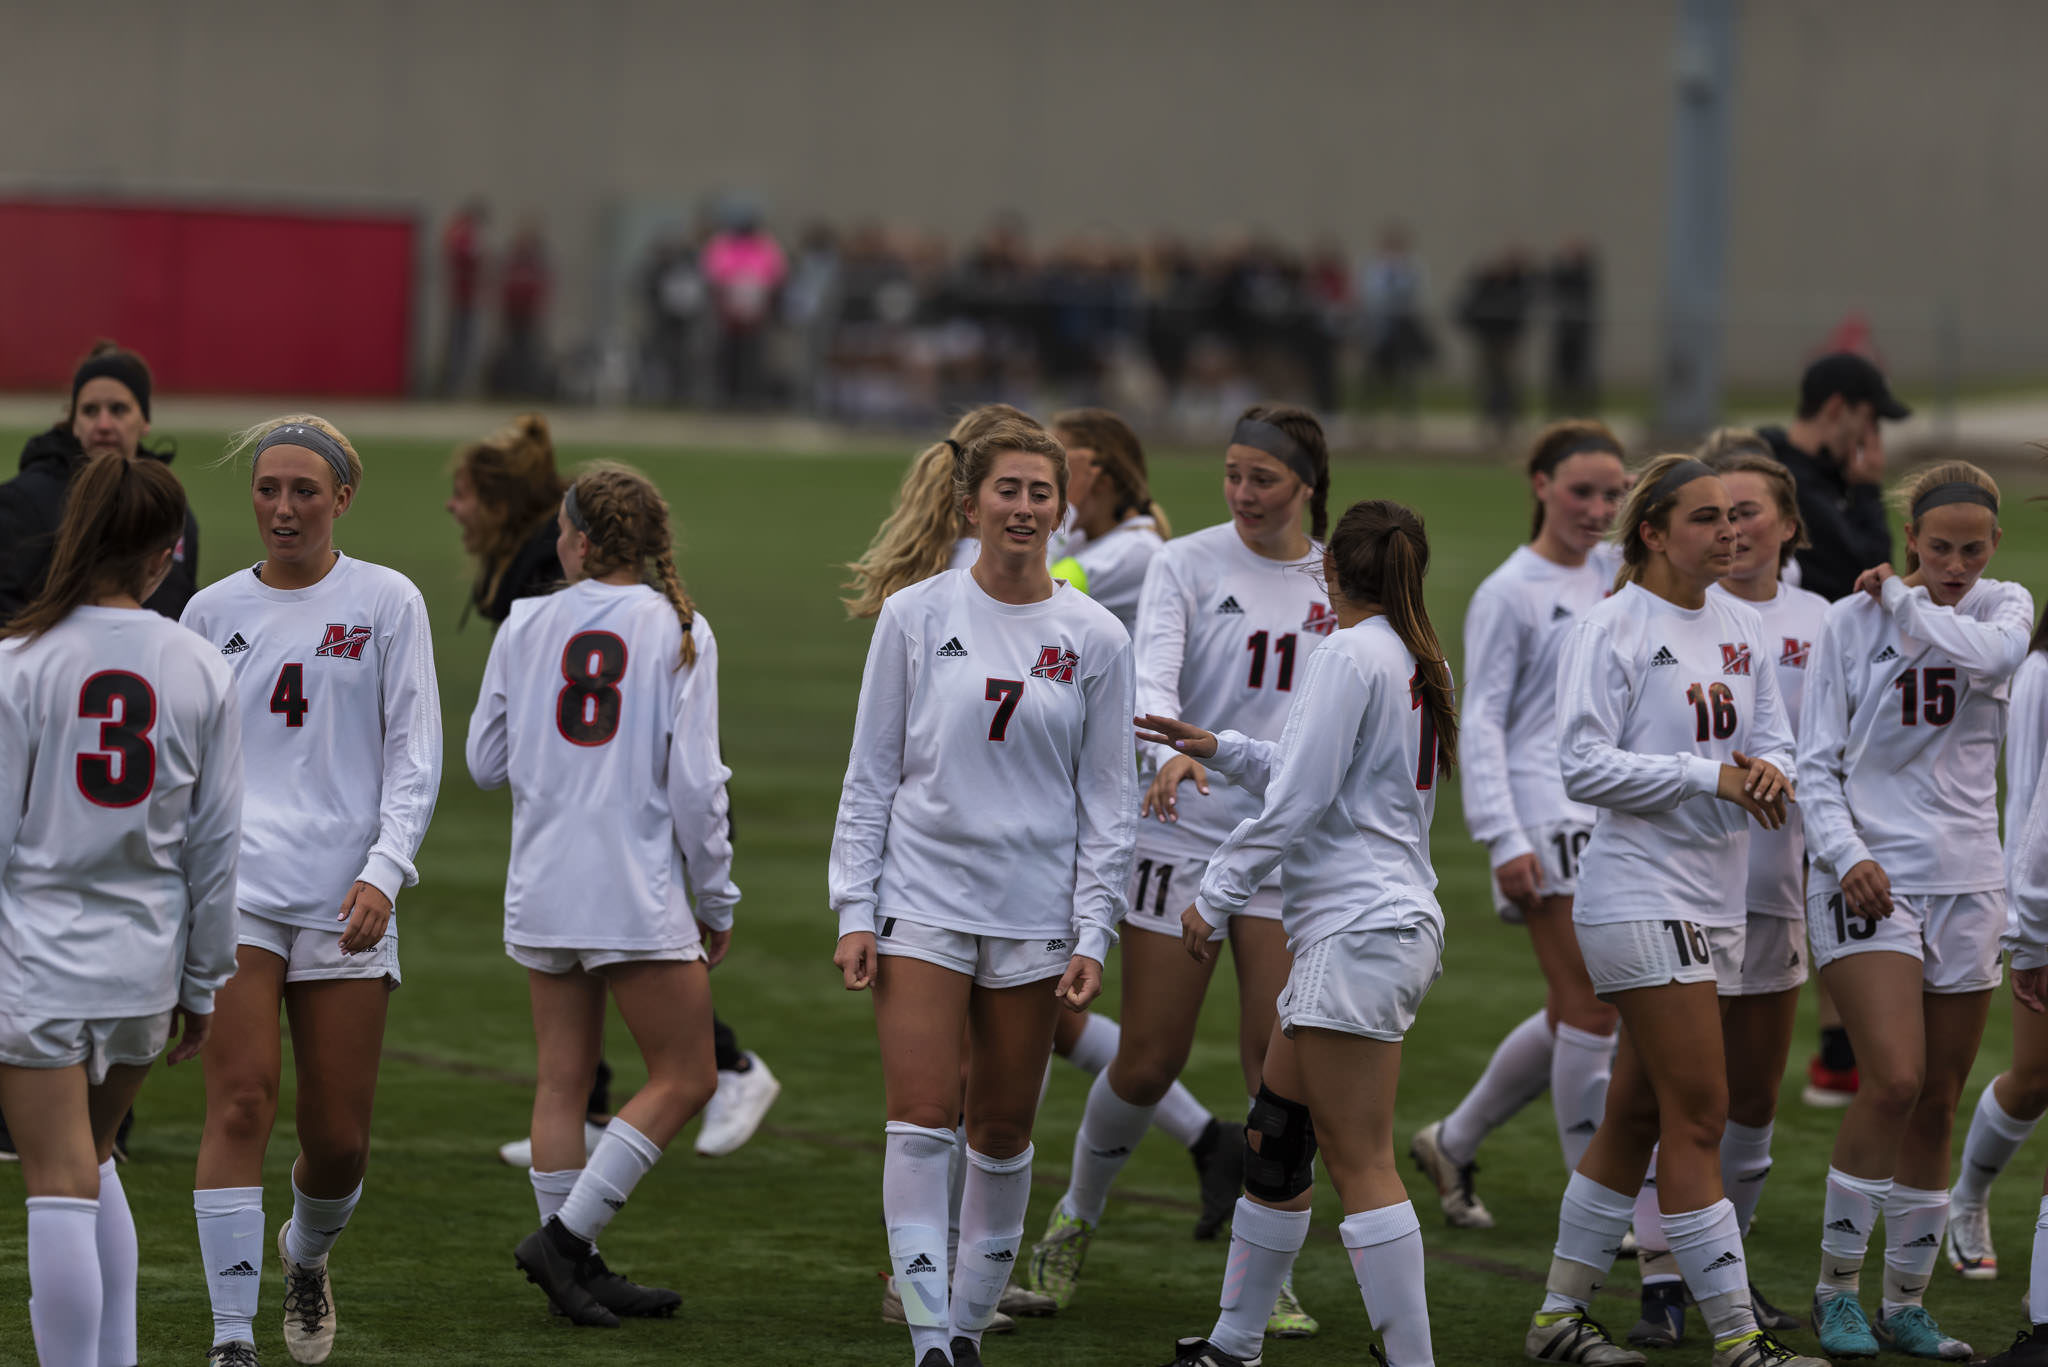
pixel 1118 458
pixel 627 523
pixel 1301 425
pixel 120 514
pixel 512 472
pixel 1381 554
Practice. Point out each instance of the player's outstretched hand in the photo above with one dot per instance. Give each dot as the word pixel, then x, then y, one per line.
pixel 1162 798
pixel 1194 936
pixel 1871 581
pixel 197 1026
pixel 1519 879
pixel 1080 984
pixel 368 913
pixel 716 943
pixel 1735 787
pixel 1867 890
pixel 1182 736
pixel 2030 988
pixel 857 961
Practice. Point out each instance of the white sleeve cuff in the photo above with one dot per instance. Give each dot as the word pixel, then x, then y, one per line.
pixel 857 917
pixel 1229 757
pixel 1093 942
pixel 1702 776
pixel 387 875
pixel 1893 593
pixel 1217 917
pixel 196 1000
pixel 1512 844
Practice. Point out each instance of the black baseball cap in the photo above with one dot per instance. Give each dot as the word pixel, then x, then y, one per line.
pixel 1855 379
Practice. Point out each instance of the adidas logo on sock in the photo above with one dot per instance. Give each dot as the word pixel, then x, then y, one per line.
pixel 1725 1260
pixel 1230 605
pixel 1759 1175
pixel 1886 654
pixel 951 649
pixel 1987 1169
pixel 1663 657
pixel 1121 1151
pixel 235 646
pixel 1927 1240
pixel 240 1269
pixel 1001 1255
pixel 1845 1225
pixel 921 1263
pixel 325 1233
pixel 1559 613
pixel 615 1205
pixel 1587 1126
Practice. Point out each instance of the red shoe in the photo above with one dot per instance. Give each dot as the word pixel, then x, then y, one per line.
pixel 1829 1088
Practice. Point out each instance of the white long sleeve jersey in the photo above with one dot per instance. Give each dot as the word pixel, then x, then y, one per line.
pixel 618 792
pixel 1116 563
pixel 2026 813
pixel 120 819
pixel 990 787
pixel 1507 711
pixel 1224 637
pixel 1777 859
pixel 1348 794
pixel 1652 700
pixel 341 726
pixel 1898 746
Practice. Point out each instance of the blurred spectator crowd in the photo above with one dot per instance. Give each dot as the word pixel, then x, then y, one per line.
pixel 892 325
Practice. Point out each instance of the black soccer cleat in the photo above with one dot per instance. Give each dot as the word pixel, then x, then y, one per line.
pixel 1769 1316
pixel 1202 1353
pixel 558 1263
pixel 627 1300
pixel 2030 1349
pixel 1219 1164
pixel 935 1357
pixel 966 1352
pixel 1663 1321
pixel 240 1353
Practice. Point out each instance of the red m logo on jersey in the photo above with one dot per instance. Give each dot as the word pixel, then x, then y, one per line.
pixel 344 643
pixel 1795 652
pixel 1735 659
pixel 1055 663
pixel 1321 620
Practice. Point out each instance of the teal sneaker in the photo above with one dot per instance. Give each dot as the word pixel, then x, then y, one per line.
pixel 1843 1328
pixel 1912 1331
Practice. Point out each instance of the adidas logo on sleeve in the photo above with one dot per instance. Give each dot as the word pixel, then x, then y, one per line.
pixel 235 646
pixel 1229 605
pixel 952 649
pixel 1559 613
pixel 1663 657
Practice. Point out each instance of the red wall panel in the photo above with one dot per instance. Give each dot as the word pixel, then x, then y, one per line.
pixel 218 300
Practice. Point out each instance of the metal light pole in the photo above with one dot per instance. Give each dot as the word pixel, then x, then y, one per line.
pixel 1689 379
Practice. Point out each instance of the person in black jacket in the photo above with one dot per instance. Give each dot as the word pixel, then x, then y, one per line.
pixel 1836 455
pixel 109 412
pixel 505 495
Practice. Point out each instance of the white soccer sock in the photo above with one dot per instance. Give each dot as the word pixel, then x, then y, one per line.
pixel 2037 1274
pixel 914 1210
pixel 64 1280
pixel 1590 1222
pixel 1745 1164
pixel 1847 1216
pixel 550 1189
pixel 1580 1066
pixel 991 1228
pixel 1263 1245
pixel 956 1192
pixel 120 1260
pixel 1386 1258
pixel 621 1159
pixel 1097 1044
pixel 1708 1247
pixel 1654 1262
pixel 317 1221
pixel 1516 1075
pixel 1181 1118
pixel 1110 1129
pixel 1913 1222
pixel 231 1250
pixel 1993 1140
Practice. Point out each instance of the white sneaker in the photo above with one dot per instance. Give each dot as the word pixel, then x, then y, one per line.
pixel 1968 1240
pixel 892 1310
pixel 519 1153
pixel 1461 1205
pixel 309 1317
pixel 737 1108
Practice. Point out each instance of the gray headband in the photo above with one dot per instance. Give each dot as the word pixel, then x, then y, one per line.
pixel 312 439
pixel 571 511
pixel 1274 441
pixel 1676 478
pixel 1955 491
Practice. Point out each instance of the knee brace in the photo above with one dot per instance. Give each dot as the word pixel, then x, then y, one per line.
pixel 1281 1165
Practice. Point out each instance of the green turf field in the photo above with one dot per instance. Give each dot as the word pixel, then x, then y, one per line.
pixel 776 1248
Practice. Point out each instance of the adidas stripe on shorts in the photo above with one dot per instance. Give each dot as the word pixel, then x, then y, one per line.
pixel 991 960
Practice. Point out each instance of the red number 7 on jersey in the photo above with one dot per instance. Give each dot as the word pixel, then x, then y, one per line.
pixel 1005 693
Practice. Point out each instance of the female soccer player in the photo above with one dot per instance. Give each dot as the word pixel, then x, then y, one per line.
pixel 341 724
pixel 1121 528
pixel 618 798
pixel 1898 755
pixel 2010 1108
pixel 1667 700
pixel 120 817
pixel 991 677
pixel 1347 797
pixel 1227 621
pixel 1515 805
pixel 1757 1011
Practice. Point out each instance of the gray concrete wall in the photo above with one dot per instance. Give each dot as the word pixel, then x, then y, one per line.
pixel 1888 152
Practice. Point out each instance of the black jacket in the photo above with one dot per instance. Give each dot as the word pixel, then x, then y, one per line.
pixel 1844 522
pixel 32 506
pixel 535 569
